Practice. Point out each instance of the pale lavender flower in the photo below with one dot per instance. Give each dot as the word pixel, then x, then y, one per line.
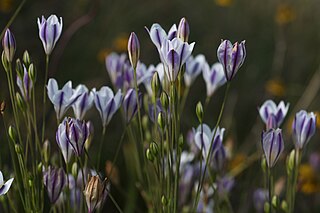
pixel 75 193
pixel 115 65
pixel 206 201
pixel 54 180
pixel 304 127
pixel 107 103
pixel 9 45
pixel 61 99
pixel 218 159
pixel 25 84
pixel 158 34
pixel 133 49
pixel 272 145
pixel 83 103
pixel 62 141
pixel 49 32
pixel 204 136
pixel 214 77
pixel 231 57
pixel 183 31
pixel 77 133
pixel 194 66
pixel 130 105
pixel 5 185
pixel 174 54
pixel 270 108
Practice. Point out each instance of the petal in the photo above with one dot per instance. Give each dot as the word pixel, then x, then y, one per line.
pixel 5 188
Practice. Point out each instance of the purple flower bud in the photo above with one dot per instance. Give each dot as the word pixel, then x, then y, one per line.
pixel 279 112
pixel 62 141
pixel 133 49
pixel 214 77
pixel 83 103
pixel 130 105
pixel 304 127
pixel 61 99
pixel 107 103
pixel 77 133
pixel 183 30
pixel 25 84
pixel 194 66
pixel 49 32
pixel 204 137
pixel 5 186
pixel 272 145
pixel 231 57
pixel 54 180
pixel 9 45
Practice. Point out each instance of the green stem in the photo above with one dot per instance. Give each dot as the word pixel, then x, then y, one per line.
pixel 44 98
pixel 270 188
pixel 118 151
pixel 210 148
pixel 101 145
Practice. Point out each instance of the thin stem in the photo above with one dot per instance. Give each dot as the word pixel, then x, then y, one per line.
pixel 210 148
pixel 270 190
pixel 118 151
pixel 101 145
pixel 115 203
pixel 44 98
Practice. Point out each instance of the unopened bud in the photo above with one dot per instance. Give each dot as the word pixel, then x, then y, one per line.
pixel 26 58
pixel 12 133
pixel 164 99
pixel 74 169
pixel 290 161
pixel 164 200
pixel 180 141
pixel 145 121
pixel 18 149
pixel 40 167
pixel 5 62
pixel 133 50
pixel 154 148
pixel 21 104
pixel 275 201
pixel 155 85
pixel 284 206
pixel 2 107
pixel 19 68
pixel 199 112
pixel 32 73
pixel 95 192
pixel 161 121
pixel 266 207
pixel 183 30
pixel 149 155
pixel 30 183
pixel 9 45
pixel 46 151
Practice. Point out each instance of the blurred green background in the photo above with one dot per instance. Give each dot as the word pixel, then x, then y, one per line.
pixel 283 46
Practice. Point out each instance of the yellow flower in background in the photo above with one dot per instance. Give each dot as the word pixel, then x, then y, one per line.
pixel 102 54
pixel 285 14
pixel 6 6
pixel 318 119
pixel 308 180
pixel 237 160
pixel 120 44
pixel 275 88
pixel 223 3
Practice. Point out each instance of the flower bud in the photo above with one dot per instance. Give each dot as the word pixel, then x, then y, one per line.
pixel 180 141
pixel 9 45
pixel 74 169
pixel 133 50
pixel 32 73
pixel 183 30
pixel 19 68
pixel 2 107
pixel 40 167
pixel 90 136
pixel 164 99
pixel 20 102
pixel 145 122
pixel 284 206
pixel 272 144
pixel 199 111
pixel 161 121
pixel 95 193
pixel 266 207
pixel 18 149
pixel 154 148
pixel 12 133
pixel 155 85
pixel 164 200
pixel 54 180
pixel 5 62
pixel 275 201
pixel 26 58
pixel 290 161
pixel 46 151
pixel 149 155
